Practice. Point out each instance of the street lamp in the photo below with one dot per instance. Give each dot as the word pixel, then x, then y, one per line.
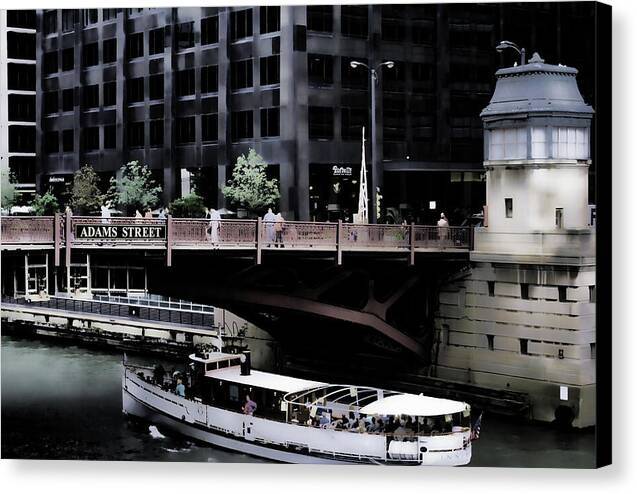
pixel 509 44
pixel 376 173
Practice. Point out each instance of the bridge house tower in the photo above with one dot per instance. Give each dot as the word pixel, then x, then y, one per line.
pixel 524 318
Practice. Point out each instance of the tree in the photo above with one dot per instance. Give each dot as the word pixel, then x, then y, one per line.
pixel 135 190
pixel 249 186
pixel 45 205
pixel 86 197
pixel 7 188
pixel 190 206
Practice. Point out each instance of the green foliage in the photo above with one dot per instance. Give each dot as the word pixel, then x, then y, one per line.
pixel 45 205
pixel 135 190
pixel 7 189
pixel 249 186
pixel 190 206
pixel 86 197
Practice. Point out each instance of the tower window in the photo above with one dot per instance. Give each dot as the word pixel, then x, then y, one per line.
pixel 91 138
pixel 109 50
pixel 352 122
pixel 210 30
pixel 242 126
pixel 354 21
pixel 110 96
pixel 51 62
pixel 185 35
pixel 68 59
pixel 89 16
pixel 110 137
pixel 68 100
pixel 135 45
pixel 185 130
pixel 319 18
pixel 270 18
pixel 156 133
pixel 240 24
pixel 109 14
pixel 186 82
pixel 51 104
pixel 156 39
pixel 50 22
pixel 135 134
pixel 508 207
pixel 156 86
pixel 320 122
pixel 269 70
pixel 135 90
pixel 353 78
pixel 320 69
pixel 51 142
pixel 69 18
pixel 269 122
pixel 241 74
pixel 91 96
pixel 209 127
pixel 209 79
pixel 68 140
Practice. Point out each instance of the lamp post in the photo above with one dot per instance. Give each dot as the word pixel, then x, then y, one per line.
pixel 376 172
pixel 510 44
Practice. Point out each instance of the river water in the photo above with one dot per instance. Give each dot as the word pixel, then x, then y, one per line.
pixel 61 401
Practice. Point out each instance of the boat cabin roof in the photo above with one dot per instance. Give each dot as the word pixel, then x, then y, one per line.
pixel 275 382
pixel 415 405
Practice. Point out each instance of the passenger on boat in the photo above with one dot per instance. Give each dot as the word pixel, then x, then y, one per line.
pixel 324 419
pixel 158 374
pixel 249 407
pixel 180 389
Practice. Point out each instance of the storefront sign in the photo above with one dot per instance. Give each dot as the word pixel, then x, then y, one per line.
pixel 56 180
pixel 342 171
pixel 120 232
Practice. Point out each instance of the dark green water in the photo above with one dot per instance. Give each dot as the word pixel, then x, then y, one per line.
pixel 64 402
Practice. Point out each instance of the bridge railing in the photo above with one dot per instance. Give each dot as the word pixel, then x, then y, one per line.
pixel 247 234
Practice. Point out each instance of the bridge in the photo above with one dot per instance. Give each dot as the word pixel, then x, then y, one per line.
pixel 373 287
pixel 184 234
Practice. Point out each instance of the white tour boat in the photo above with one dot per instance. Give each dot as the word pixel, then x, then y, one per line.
pixel 297 420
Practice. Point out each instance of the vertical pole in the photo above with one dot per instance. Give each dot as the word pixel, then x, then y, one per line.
pixel 258 239
pixel 26 274
pixel 67 246
pixel 412 244
pixel 56 238
pixel 373 218
pixel 169 240
pixel 339 243
pixel 89 282
pixel 46 271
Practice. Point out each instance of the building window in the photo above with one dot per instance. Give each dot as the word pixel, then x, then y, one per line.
pixel 559 218
pixel 570 143
pixel 135 45
pixel 22 139
pixel 320 122
pixel 592 297
pixel 524 346
pixel 319 18
pixel 269 122
pixel 185 130
pixel 51 104
pixel 110 96
pixel 110 137
pixel 156 86
pixel 508 207
pixel 241 74
pixel 392 25
pixel 240 24
pixel 490 342
pixel 539 148
pixel 50 22
pixel 320 69
pixel 68 100
pixel 50 62
pixel 68 59
pixel 134 12
pixel 91 138
pixel 186 82
pixel 506 144
pixel 524 291
pixel 51 142
pixel 394 78
pixel 20 45
pixel 156 133
pixel 422 77
pixel 270 18
pixel 156 39
pixel 89 16
pixel 352 122
pixel 135 90
pixel 422 33
pixel 491 288
pixel 269 70
pixel 210 30
pixel 135 134
pixel 185 35
pixel 21 18
pixel 91 54
pixel 68 140
pixel 209 127
pixel 241 123
pixel 21 107
pixel 69 18
pixel 353 78
pixel 91 96
pixel 109 50
pixel 354 21
pixel 394 128
pixel 21 77
pixel 209 79
pixel 109 14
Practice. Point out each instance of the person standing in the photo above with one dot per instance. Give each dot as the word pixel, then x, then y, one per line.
pixel 269 218
pixel 149 213
pixel 138 214
pixel 214 224
pixel 162 214
pixel 249 407
pixel 278 229
pixel 106 213
pixel 443 228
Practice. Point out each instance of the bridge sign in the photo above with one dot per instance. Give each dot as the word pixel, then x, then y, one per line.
pixel 119 232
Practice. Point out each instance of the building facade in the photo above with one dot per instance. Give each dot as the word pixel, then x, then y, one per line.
pixel 187 90
pixel 17 99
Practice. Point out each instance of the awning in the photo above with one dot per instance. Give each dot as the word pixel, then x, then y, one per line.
pixel 416 405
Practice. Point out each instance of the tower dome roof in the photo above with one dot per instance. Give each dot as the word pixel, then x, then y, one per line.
pixel 536 87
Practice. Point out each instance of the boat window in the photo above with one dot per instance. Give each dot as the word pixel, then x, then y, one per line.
pixel 223 364
pixel 233 392
pixel 211 366
pixel 235 361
